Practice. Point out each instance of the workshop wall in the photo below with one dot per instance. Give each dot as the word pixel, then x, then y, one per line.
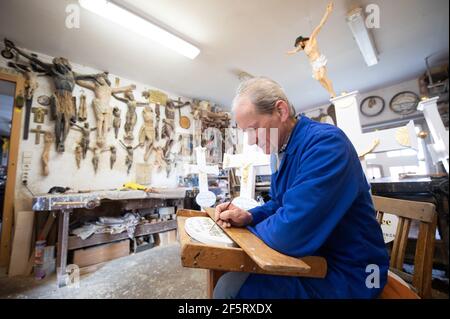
pixel 63 169
pixel 387 93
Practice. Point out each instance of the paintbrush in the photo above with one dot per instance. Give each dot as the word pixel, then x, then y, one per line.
pixel 226 208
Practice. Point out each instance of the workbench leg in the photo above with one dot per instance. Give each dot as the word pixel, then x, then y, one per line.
pixel 211 281
pixel 63 235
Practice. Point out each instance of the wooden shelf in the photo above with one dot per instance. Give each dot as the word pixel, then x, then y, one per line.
pixel 76 242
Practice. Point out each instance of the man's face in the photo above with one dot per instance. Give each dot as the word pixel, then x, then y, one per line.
pixel 262 129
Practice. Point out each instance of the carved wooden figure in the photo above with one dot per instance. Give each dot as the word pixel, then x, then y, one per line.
pixel 131 116
pixel 95 158
pixel 116 121
pixel 147 131
pixel 101 103
pixel 78 155
pixel 30 73
pixel 49 139
pixel 85 135
pixel 317 60
pixel 82 109
pixel 62 107
pixel 130 153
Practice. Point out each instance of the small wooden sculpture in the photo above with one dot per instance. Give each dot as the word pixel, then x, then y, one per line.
pixel 39 114
pixel 78 155
pixel 95 158
pixel 130 153
pixel 49 139
pixel 85 135
pixel 158 116
pixel 113 156
pixel 101 103
pixel 318 61
pixel 82 109
pixel 147 131
pixel 30 73
pixel 116 121
pixel 131 116
pixel 160 161
pixel 167 129
pixel 38 131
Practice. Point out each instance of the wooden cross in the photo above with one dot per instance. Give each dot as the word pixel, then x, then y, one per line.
pixel 347 116
pixel 205 198
pixel 251 158
pixel 38 131
pixel 439 150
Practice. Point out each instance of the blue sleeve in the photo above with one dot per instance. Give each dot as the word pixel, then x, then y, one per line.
pixel 269 208
pixel 260 213
pixel 327 182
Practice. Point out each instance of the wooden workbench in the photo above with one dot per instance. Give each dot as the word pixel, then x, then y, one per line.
pixel 63 205
pixel 252 255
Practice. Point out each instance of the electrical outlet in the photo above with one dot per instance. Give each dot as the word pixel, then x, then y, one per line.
pixel 26 166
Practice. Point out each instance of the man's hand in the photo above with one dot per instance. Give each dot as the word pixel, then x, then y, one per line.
pixel 232 216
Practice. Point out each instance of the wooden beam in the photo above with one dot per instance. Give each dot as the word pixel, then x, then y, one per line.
pixel 8 206
pixel 404 208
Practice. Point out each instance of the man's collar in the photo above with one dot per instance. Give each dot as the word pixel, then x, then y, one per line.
pixel 285 147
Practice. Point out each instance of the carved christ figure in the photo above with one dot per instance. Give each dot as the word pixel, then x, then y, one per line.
pixel 63 108
pixel 101 103
pixel 131 116
pixel 318 60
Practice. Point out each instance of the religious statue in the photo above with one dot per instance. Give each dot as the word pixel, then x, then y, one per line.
pixel 131 116
pixel 62 107
pixel 116 121
pixel 95 158
pixel 318 61
pixel 48 141
pixel 101 103
pixel 130 153
pixel 147 131
pixel 30 73
pixel 85 135
pixel 82 109
pixel 78 155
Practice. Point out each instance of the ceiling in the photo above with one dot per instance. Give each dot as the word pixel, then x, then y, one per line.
pixel 250 35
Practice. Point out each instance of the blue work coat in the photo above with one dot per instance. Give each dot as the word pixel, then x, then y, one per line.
pixel 320 206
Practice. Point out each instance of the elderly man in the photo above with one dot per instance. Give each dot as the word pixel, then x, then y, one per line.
pixel 320 205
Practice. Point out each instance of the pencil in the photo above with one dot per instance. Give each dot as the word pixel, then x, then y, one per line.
pixel 226 208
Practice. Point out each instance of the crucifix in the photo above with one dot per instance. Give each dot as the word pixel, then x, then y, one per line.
pixel 347 116
pixel 439 150
pixel 38 131
pixel 251 158
pixel 205 198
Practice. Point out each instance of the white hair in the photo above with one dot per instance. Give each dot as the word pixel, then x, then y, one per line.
pixel 263 93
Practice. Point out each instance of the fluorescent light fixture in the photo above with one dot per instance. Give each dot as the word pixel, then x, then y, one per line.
pixel 130 21
pixel 356 22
